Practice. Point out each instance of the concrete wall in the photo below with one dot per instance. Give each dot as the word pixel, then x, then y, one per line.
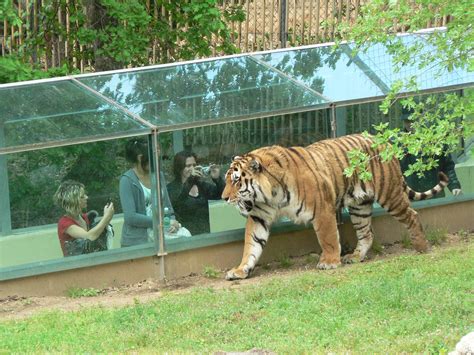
pixel 452 217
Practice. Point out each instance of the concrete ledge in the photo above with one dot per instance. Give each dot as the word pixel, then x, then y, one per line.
pixel 451 217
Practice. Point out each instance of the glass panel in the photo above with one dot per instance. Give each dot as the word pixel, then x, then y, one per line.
pixel 330 73
pixel 220 89
pixel 339 76
pixel 196 200
pixel 381 63
pixel 362 117
pixel 36 214
pixel 58 111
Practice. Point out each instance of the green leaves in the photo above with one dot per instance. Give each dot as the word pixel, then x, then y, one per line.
pixel 359 162
pixel 113 34
pixel 438 122
pixel 8 12
pixel 13 69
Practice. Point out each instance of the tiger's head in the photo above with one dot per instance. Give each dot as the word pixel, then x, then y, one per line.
pixel 246 185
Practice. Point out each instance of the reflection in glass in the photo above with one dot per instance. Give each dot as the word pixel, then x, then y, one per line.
pixel 219 89
pixel 330 72
pixel 362 117
pixel 434 75
pixel 58 111
pixel 341 76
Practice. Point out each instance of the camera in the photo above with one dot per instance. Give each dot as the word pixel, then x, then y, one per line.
pixel 205 169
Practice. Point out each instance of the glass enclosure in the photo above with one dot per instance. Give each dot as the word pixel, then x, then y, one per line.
pixel 131 137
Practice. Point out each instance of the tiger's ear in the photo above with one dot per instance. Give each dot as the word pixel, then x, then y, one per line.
pixel 236 157
pixel 255 166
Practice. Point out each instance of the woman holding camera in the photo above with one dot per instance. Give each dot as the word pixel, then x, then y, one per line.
pixel 189 192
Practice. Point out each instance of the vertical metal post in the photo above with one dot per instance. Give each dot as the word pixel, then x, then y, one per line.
pixel 338 128
pixel 333 121
pixel 5 214
pixel 283 23
pixel 154 151
pixel 341 118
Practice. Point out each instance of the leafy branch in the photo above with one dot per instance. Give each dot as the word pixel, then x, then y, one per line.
pixel 439 122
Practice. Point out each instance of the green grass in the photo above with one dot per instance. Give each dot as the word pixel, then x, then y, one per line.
pixel 376 247
pixel 285 261
pixel 436 236
pixel 406 242
pixel 411 303
pixel 211 272
pixel 312 259
pixel 76 292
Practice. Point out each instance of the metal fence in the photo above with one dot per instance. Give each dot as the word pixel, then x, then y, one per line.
pixel 269 24
pixel 274 24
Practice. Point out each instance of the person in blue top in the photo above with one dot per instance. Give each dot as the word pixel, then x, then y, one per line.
pixel 430 178
pixel 135 197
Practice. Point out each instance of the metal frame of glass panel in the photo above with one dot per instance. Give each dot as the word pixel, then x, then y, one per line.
pixel 311 99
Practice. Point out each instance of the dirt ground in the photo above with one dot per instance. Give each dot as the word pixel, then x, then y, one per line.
pixel 22 307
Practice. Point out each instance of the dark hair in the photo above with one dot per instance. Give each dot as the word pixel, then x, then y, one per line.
pixel 406 112
pixel 136 147
pixel 179 162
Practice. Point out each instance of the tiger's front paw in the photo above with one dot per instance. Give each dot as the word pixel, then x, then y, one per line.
pixel 326 263
pixel 236 274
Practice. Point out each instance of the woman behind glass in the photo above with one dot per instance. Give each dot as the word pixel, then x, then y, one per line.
pixel 189 192
pixel 135 196
pixel 71 197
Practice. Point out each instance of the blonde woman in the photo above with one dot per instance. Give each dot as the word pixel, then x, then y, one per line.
pixel 75 225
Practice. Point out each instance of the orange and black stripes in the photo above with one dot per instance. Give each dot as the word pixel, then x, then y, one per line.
pixel 307 184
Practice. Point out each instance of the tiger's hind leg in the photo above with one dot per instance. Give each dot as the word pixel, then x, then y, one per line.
pixel 325 227
pixel 361 218
pixel 400 209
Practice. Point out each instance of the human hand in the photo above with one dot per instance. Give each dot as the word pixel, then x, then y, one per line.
pixel 109 211
pixel 197 172
pixel 174 226
pixel 456 192
pixel 215 171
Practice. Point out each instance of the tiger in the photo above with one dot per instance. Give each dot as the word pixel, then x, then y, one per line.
pixel 308 185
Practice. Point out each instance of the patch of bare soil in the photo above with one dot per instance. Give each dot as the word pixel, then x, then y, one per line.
pixel 22 307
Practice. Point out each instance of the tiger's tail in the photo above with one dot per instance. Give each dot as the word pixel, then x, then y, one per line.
pixel 418 196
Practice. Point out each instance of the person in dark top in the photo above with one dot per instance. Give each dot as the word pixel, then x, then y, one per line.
pixel 445 164
pixel 189 192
